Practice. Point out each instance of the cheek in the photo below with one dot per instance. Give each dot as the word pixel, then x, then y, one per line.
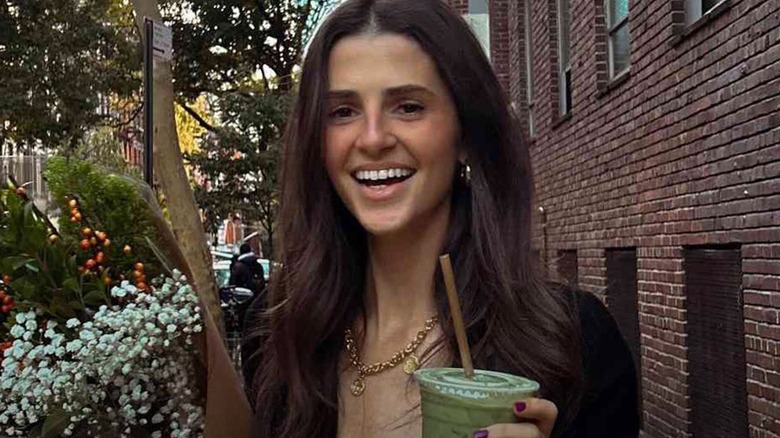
pixel 334 153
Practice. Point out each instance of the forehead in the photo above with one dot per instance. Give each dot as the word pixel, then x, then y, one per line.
pixel 379 61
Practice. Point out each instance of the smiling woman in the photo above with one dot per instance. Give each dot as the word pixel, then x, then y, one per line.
pixel 401 147
pixel 390 111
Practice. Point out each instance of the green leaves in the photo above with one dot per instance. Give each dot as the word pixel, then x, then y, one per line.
pixel 55 424
pixel 59 275
pixel 61 59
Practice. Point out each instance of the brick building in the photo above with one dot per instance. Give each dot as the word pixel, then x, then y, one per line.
pixel 654 127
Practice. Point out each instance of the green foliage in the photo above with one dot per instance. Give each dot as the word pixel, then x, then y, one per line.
pixel 69 272
pixel 43 273
pixel 104 149
pixel 108 202
pixel 59 61
pixel 222 44
pixel 238 166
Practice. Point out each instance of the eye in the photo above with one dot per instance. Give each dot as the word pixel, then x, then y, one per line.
pixel 410 108
pixel 343 112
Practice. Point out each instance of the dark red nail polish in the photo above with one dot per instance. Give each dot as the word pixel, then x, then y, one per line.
pixel 520 406
pixel 481 434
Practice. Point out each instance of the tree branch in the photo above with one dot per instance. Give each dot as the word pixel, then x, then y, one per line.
pixel 203 123
pixel 133 115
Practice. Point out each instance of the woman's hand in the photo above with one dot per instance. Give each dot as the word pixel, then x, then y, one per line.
pixel 537 418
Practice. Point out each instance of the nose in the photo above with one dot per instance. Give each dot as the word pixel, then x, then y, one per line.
pixel 375 137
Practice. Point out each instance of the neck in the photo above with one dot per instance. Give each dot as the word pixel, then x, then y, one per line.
pixel 400 277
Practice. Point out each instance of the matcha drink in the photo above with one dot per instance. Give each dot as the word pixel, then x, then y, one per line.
pixel 454 406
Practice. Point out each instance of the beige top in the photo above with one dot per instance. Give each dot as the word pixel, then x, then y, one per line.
pixel 390 404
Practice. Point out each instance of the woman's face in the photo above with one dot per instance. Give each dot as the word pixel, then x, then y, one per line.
pixel 391 133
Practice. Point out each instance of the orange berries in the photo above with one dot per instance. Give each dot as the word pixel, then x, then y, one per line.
pixel 73 203
pixel 141 285
pixel 100 235
pixel 139 267
pixel 90 264
pixel 100 258
pixel 127 249
pixel 7 304
pixel 85 244
pixel 107 242
pixel 53 238
pixel 86 232
pixel 137 275
pixel 93 241
pixel 6 279
pixel 21 191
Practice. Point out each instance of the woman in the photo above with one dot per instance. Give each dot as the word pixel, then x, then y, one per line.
pixel 401 147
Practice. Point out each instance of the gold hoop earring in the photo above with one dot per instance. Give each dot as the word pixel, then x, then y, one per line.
pixel 465 174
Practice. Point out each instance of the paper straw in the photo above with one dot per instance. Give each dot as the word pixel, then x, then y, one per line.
pixel 457 316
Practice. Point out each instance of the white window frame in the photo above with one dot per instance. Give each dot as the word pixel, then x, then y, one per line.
pixel 564 69
pixel 695 10
pixel 612 29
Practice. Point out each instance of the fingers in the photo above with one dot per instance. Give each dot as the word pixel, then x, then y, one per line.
pixel 541 412
pixel 537 418
pixel 519 430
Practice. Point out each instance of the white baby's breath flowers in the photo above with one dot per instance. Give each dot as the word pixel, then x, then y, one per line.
pixel 128 368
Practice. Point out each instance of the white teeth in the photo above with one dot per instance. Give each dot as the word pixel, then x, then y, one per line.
pixel 378 175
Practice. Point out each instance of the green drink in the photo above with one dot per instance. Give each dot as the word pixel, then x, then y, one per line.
pixel 454 406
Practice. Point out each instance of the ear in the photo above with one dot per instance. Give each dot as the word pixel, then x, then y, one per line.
pixel 462 155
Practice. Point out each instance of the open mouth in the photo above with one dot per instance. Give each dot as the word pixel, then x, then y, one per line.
pixel 382 177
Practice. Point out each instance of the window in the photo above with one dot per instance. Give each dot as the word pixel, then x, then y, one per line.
pixel 619 38
pixel 564 62
pixel 623 302
pixel 716 342
pixel 695 9
pixel 529 68
pixel 479 20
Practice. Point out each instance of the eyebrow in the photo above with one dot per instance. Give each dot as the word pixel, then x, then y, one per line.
pixel 390 92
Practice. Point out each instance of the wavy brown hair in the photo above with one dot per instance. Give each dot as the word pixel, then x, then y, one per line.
pixel 516 322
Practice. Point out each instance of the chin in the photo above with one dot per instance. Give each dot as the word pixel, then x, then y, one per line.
pixel 382 226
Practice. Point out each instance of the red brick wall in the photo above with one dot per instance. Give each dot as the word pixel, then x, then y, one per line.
pixel 499 39
pixel 685 152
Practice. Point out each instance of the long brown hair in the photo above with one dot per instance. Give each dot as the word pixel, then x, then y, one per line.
pixel 516 323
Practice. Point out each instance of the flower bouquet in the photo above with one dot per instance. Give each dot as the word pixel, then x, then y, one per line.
pixel 100 333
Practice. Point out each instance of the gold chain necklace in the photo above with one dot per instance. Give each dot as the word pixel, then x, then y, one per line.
pixel 411 362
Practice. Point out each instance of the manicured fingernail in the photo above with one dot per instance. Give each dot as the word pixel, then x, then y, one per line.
pixel 481 434
pixel 520 406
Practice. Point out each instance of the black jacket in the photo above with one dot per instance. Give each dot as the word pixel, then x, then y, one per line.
pixel 248 273
pixel 609 407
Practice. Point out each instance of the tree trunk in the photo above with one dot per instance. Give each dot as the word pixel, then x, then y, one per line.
pixel 169 172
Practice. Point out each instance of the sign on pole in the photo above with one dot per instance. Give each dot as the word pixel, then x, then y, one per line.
pixel 162 42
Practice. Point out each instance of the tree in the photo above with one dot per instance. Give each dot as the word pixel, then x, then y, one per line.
pixel 243 54
pixel 60 61
pixel 221 45
pixel 237 165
